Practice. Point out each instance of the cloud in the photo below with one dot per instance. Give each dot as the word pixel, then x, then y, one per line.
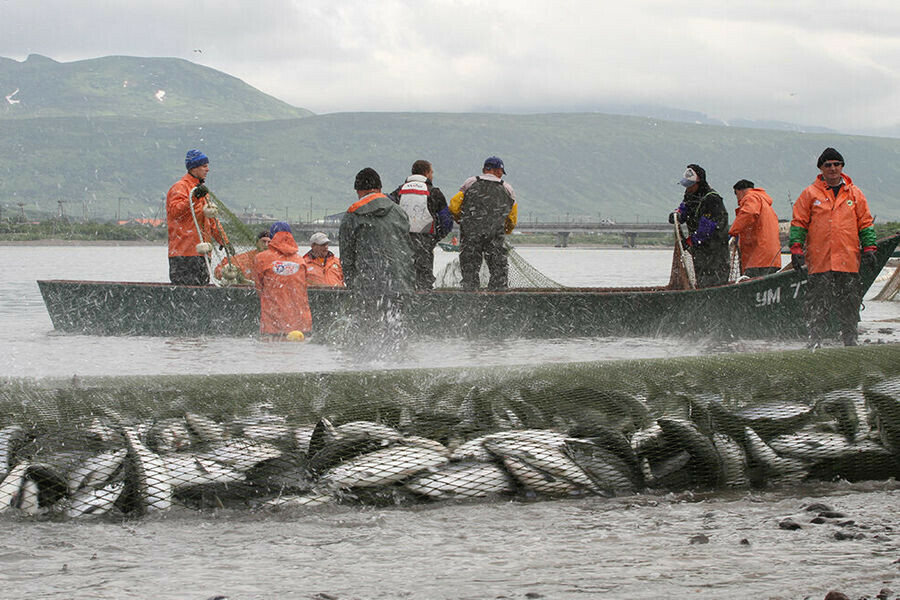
pixel 804 62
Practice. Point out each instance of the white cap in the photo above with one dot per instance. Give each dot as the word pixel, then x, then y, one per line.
pixel 319 239
pixel 689 178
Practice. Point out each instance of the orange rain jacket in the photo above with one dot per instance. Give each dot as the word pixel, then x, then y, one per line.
pixel 183 236
pixel 324 271
pixel 244 261
pixel 833 228
pixel 281 283
pixel 756 227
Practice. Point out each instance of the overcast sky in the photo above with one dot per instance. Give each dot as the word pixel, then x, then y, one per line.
pixel 824 63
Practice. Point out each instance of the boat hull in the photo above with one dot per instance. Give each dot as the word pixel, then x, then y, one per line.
pixel 763 308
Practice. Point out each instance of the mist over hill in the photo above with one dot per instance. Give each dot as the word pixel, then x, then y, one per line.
pixel 565 165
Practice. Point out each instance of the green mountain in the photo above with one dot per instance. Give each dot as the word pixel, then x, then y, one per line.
pixel 161 89
pixel 563 166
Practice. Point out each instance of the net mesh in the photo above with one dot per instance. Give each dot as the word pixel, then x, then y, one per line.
pixel 129 446
pixel 230 262
pixel 521 274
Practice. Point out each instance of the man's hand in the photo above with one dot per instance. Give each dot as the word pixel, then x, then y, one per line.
pixel 210 212
pixel 798 259
pixel 201 191
pixel 868 259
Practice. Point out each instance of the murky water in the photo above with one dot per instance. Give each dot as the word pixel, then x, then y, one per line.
pixel 635 547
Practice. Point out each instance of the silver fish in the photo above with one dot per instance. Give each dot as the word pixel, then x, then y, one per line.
pixel 169 435
pixel 545 457
pixel 777 468
pixel 11 438
pixel 884 398
pixel 733 459
pixel 383 467
pixel 462 480
pixel 89 501
pixel 539 481
pixel 187 471
pixel 151 478
pixel 11 486
pixel 308 500
pixel 96 470
pixel 207 430
pixel 241 454
pixel 608 471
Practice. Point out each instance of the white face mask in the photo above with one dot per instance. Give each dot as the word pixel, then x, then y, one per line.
pixel 689 178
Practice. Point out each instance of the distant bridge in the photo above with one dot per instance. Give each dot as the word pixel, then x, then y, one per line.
pixel 562 229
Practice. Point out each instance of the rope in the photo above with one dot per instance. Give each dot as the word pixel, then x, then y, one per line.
pixel 206 260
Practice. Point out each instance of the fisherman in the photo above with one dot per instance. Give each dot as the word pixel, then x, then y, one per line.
pixel 375 251
pixel 322 266
pixel 429 218
pixel 191 221
pixel 756 227
pixel 486 209
pixel 707 220
pixel 831 217
pixel 280 277
pixel 239 268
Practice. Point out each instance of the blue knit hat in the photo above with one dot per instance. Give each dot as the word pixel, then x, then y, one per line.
pixel 279 226
pixel 195 158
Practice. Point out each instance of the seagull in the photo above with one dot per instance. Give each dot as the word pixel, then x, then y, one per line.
pixel 200 51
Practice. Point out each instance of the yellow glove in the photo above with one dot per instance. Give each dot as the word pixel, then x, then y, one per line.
pixel 211 212
pixel 204 248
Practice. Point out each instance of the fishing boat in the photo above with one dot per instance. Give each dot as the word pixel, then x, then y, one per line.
pixel 762 308
pixel 448 247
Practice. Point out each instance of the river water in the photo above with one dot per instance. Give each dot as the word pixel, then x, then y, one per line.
pixel 633 547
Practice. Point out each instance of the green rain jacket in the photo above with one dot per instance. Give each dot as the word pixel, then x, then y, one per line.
pixel 375 250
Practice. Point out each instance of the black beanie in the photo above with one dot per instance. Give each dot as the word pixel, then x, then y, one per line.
pixel 367 179
pixel 829 154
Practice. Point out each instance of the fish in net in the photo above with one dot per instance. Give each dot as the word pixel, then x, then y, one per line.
pixel 123 446
pixel 230 263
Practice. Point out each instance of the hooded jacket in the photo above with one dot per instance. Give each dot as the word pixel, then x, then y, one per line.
pixel 756 226
pixel 833 228
pixel 183 235
pixel 375 251
pixel 324 271
pixel 280 277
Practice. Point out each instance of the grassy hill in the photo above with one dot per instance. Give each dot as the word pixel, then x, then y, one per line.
pixel 114 152
pixel 161 89
pixel 580 165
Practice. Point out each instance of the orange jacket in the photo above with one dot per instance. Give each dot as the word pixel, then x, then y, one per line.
pixel 324 271
pixel 183 236
pixel 832 228
pixel 244 261
pixel 756 226
pixel 281 283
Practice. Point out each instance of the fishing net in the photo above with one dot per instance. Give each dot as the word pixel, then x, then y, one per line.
pixel 123 446
pixel 230 263
pixel 521 274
